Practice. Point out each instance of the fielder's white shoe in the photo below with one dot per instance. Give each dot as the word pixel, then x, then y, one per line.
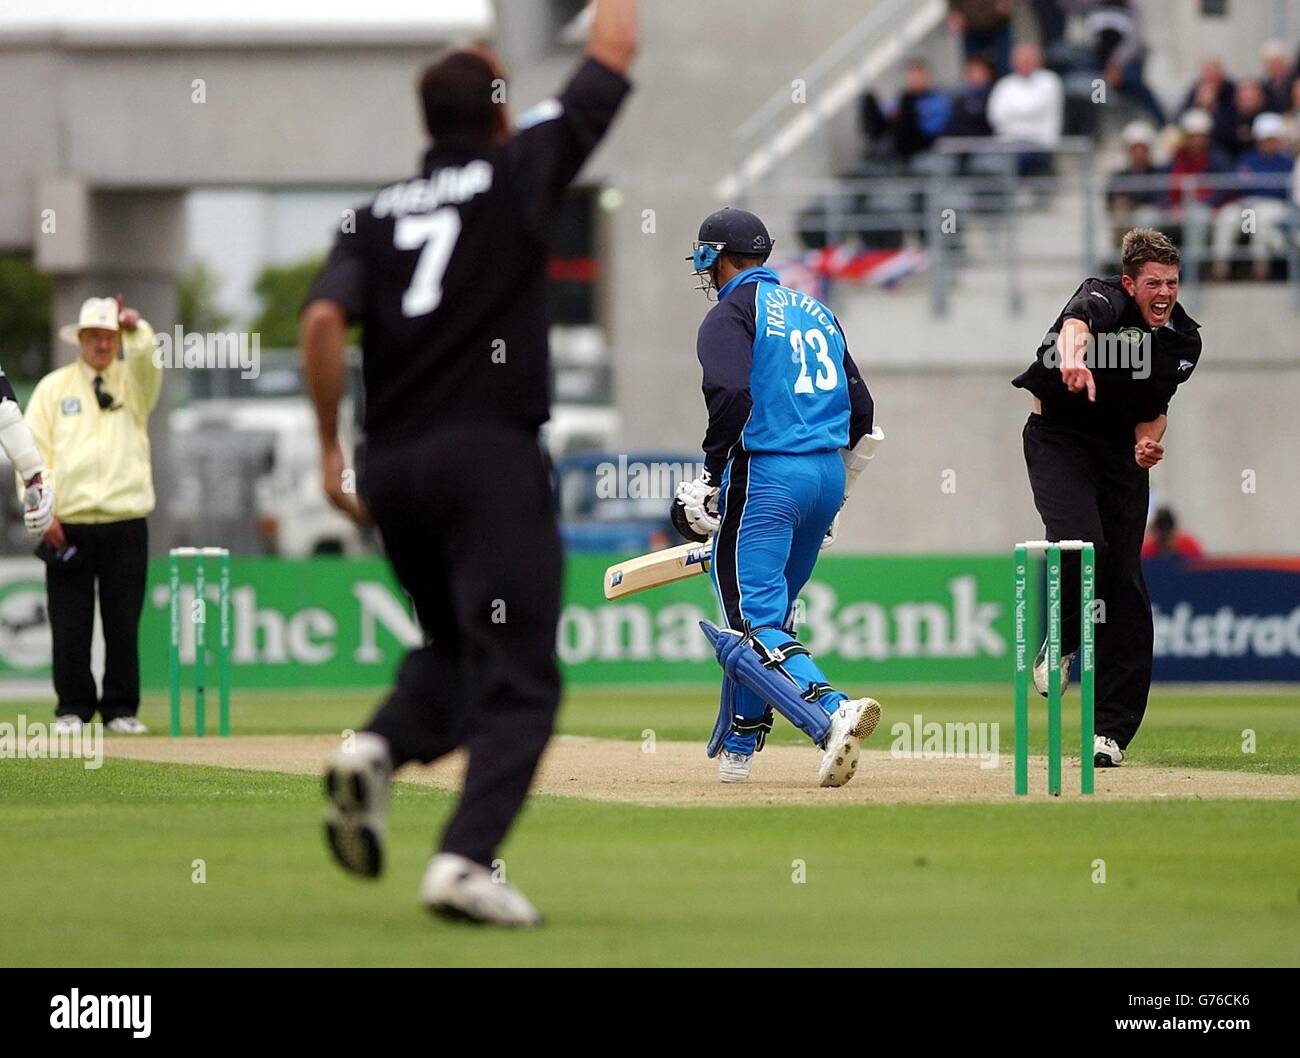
pixel 851 723
pixel 455 887
pixel 356 786
pixel 1040 670
pixel 734 767
pixel 67 722
pixel 127 725
pixel 1106 752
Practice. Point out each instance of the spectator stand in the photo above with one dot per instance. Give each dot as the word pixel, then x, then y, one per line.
pixel 885 218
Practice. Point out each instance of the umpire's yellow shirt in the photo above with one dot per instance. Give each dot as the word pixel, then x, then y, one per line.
pixel 97 459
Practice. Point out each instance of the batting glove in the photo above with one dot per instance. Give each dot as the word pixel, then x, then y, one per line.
pixel 696 505
pixel 834 528
pixel 38 508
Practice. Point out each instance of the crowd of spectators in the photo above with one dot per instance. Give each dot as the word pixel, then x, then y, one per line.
pixel 1228 163
pixel 1024 107
pixel 1225 156
pixel 1010 89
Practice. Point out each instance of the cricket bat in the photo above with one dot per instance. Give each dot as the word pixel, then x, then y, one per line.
pixel 659 567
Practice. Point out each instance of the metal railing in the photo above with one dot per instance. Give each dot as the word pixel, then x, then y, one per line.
pixel 979 183
pixel 831 82
pixel 975 182
pixel 1198 210
pixel 1006 155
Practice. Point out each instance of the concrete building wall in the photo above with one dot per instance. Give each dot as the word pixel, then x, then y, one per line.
pixel 320 116
pixel 1183 35
pixel 951 475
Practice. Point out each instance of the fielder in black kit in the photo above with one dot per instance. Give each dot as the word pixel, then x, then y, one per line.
pixel 1102 383
pixel 446 273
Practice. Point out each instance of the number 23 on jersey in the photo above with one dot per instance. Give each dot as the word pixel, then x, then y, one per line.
pixel 827 374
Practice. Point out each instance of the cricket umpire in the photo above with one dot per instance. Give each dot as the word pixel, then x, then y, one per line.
pixel 1101 382
pixel 447 274
pixel 90 421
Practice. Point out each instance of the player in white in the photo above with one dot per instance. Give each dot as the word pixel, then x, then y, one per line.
pixel 19 445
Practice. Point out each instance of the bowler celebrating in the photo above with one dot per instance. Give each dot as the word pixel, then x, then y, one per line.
pixel 787 407
pixel 446 272
pixel 1102 382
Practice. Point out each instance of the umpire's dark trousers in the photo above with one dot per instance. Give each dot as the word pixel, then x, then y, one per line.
pixel 468 521
pixel 114 556
pixel 1089 488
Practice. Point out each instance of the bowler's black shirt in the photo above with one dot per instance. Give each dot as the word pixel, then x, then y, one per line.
pixel 447 271
pixel 1124 396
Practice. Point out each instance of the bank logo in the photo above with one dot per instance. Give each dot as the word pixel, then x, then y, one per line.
pixel 24 621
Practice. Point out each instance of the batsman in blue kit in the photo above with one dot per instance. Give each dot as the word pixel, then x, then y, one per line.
pixel 790 429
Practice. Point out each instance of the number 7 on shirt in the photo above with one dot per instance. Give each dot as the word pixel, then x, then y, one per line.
pixel 437 232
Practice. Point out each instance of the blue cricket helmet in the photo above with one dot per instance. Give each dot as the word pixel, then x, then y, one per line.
pixel 732 230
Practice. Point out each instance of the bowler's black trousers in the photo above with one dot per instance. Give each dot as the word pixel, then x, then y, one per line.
pixel 1090 488
pixel 468 521
pixel 116 555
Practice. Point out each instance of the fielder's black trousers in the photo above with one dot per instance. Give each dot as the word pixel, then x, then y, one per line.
pixel 1089 488
pixel 113 557
pixel 468 521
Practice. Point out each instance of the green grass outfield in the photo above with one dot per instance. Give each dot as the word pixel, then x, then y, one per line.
pixel 96 866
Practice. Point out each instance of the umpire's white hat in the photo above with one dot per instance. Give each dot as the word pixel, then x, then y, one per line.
pixel 99 313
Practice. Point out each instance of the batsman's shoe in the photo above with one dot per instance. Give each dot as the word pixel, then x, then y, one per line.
pixel 456 887
pixel 1106 752
pixel 127 725
pixel 1040 670
pixel 356 786
pixel 852 722
pixel 734 767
